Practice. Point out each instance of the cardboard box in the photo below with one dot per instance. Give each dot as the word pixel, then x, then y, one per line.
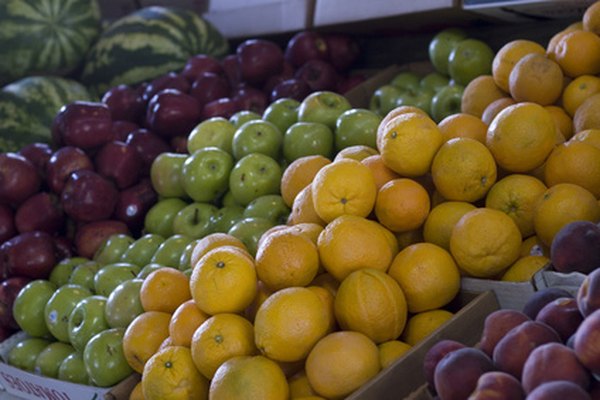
pixel 114 9
pixel 512 295
pixel 29 386
pixel 405 378
pixel 239 18
pixel 528 10
pixel 547 277
pixel 331 12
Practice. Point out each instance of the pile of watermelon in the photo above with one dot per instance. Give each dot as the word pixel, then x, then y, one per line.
pixel 54 52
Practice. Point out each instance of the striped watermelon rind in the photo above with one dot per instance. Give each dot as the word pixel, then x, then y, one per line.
pixel 45 36
pixel 148 43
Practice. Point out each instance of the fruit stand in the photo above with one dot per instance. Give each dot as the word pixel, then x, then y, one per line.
pixel 299 199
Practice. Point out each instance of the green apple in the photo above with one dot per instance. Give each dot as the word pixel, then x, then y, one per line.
pixel 213 132
pixel 165 174
pixel 434 81
pixel 228 200
pixel 323 107
pixel 48 360
pixel 112 248
pixel 257 136
pixel 442 45
pixel 124 304
pixel 186 255
pixel 421 99
pixel 140 252
pixel 205 174
pixel 470 59
pixel 59 307
pixel 86 319
pixel 225 217
pixel 253 176
pixel 111 275
pixel 249 231
pixel 384 99
pixel 446 102
pixel 169 252
pixel 241 117
pixel 104 359
pixel 148 269
pixel 159 218
pixel 72 369
pixel 24 353
pixel 282 113
pixel 28 307
pixel 83 275
pixel 194 220
pixel 406 80
pixel 307 139
pixel 61 271
pixel 270 206
pixel 357 126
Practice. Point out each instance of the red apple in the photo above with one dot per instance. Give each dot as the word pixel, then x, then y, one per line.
pixel 148 145
pixel 63 162
pixel 125 103
pixel 199 64
pixel 30 254
pixel 224 107
pixel 293 88
pixel 38 154
pixel 119 162
pixel 133 204
pixel 170 80
pixel 286 73
pixel 172 113
pixel 9 289
pixel 91 236
pixel 40 212
pixel 208 87
pixel 83 124
pixel 88 196
pixel 7 223
pixel 231 69
pixel 19 179
pixel 64 247
pixel 343 51
pixel 304 46
pixel 318 74
pixel 252 99
pixel 121 129
pixel 179 144
pixel 349 82
pixel 259 59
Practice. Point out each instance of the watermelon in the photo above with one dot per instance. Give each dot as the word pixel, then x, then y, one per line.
pixel 45 37
pixel 29 105
pixel 148 43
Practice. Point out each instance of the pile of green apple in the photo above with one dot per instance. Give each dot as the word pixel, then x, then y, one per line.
pixel 456 60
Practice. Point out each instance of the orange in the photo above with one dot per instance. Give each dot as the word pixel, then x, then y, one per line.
pixel 211 241
pixel 143 337
pixel 342 362
pixel 350 243
pixel 287 259
pixel 300 174
pixel 587 116
pixel 463 125
pixel 516 195
pixel 357 152
pixel 578 53
pixel 164 290
pixel 441 220
pixel 485 242
pixel 533 246
pixel 561 204
pixel 371 302
pixel 590 136
pixel 536 78
pixel 381 173
pixel 166 343
pixel 494 108
pixel 392 114
pixel 220 338
pixel 326 281
pixel 563 121
pixel 478 94
pixel 391 351
pixel 303 209
pixel 137 393
pixel 578 90
pixel 591 18
pixel 575 162
pixel 409 143
pixel 249 378
pixel 428 276
pixel 521 137
pixel 184 322
pixel 171 375
pixel 224 280
pixel 402 205
pixel 289 323
pixel 463 170
pixel 308 229
pixel 423 324
pixel 327 298
pixel 509 55
pixel 262 294
pixel 343 187
pixel 299 386
pixel 557 37
pixel 524 268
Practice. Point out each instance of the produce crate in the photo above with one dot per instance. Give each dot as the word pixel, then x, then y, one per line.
pixel 239 18
pixel 405 378
pixel 29 386
pixel 512 295
pixel 113 9
pixel 547 277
